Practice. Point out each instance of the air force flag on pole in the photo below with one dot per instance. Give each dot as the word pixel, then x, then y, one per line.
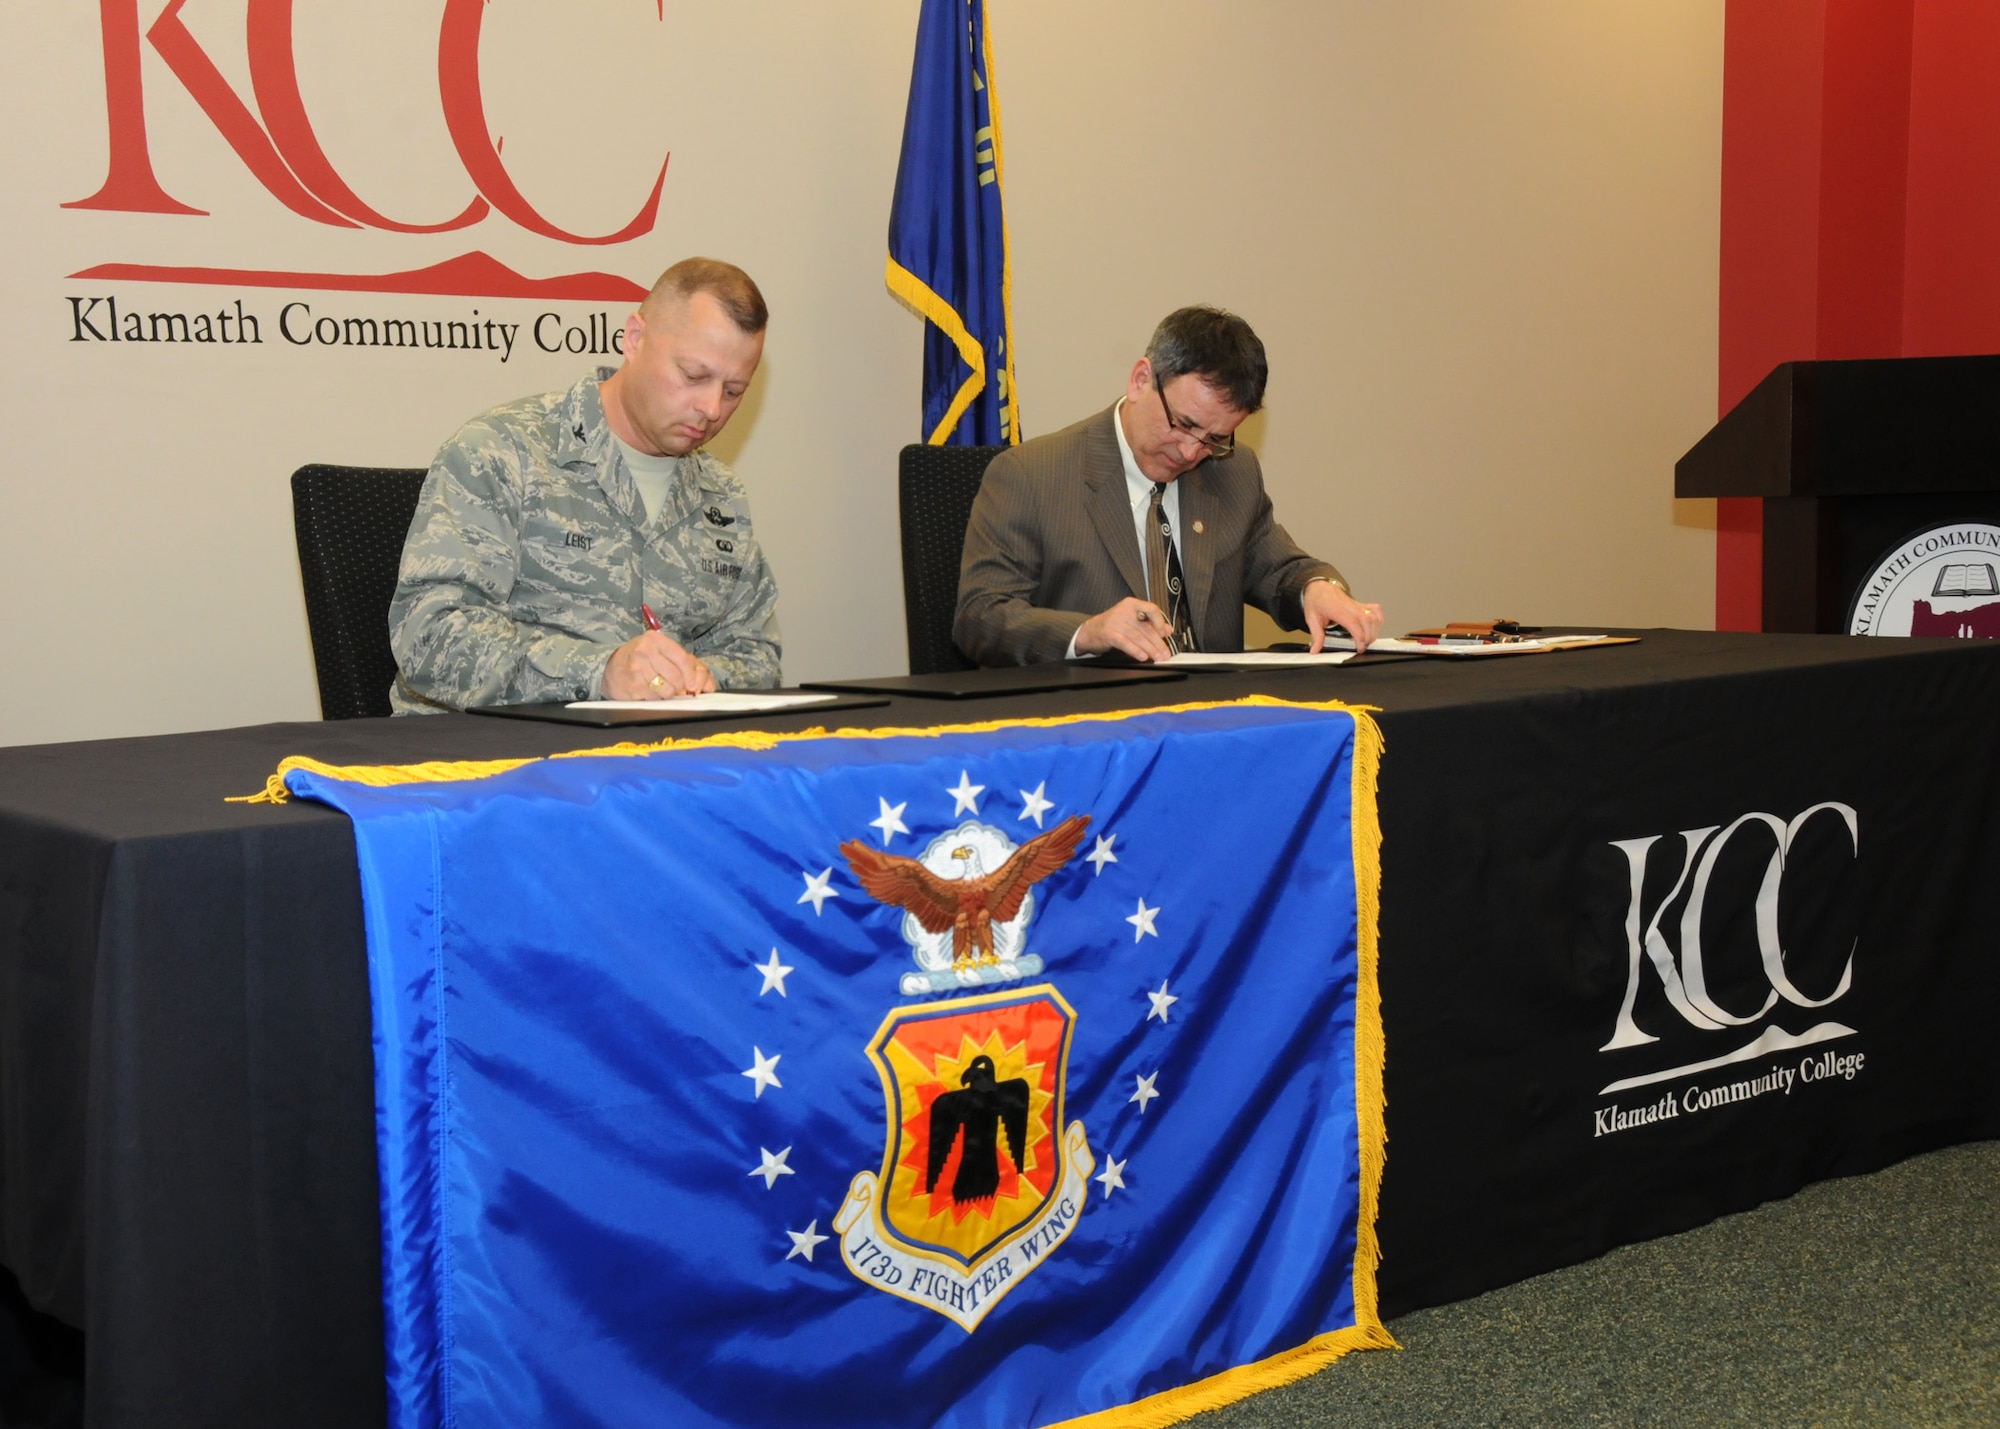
pixel 948 232
pixel 1018 1074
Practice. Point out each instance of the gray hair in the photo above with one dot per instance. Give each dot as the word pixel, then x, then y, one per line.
pixel 1216 346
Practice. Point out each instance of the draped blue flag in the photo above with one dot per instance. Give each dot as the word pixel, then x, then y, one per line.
pixel 948 232
pixel 996 1076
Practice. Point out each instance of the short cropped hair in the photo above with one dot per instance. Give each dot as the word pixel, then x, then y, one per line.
pixel 1216 346
pixel 728 284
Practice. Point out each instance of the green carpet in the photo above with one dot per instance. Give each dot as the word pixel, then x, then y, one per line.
pixel 1869 1301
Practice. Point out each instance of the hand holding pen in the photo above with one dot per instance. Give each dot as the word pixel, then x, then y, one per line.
pixel 654 667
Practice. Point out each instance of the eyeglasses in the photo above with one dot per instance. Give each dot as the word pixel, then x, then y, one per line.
pixel 1181 427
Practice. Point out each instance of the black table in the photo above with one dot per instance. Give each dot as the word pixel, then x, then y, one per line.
pixel 186 1124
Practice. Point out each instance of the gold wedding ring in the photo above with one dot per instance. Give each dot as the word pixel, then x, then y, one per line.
pixel 658 682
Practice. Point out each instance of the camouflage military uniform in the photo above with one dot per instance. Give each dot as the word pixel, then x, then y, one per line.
pixel 531 554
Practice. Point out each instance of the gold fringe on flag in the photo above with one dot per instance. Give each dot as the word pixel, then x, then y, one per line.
pixel 1176 1406
pixel 378 776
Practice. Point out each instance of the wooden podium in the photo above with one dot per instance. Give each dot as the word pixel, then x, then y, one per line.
pixel 1851 458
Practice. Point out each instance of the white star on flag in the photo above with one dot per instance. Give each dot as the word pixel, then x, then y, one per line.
pixel 1102 854
pixel 1113 1176
pixel 773 1167
pixel 819 888
pixel 765 1073
pixel 1162 1000
pixel 1036 805
pixel 1145 1092
pixel 965 798
pixel 775 974
pixel 804 1241
pixel 1142 921
pixel 891 823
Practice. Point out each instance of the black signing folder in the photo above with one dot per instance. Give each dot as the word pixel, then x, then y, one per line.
pixel 660 712
pixel 1006 680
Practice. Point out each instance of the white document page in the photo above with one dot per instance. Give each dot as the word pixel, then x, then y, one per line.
pixel 1481 647
pixel 726 702
pixel 1279 658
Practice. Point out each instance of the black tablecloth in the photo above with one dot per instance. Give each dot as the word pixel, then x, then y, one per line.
pixel 186 1119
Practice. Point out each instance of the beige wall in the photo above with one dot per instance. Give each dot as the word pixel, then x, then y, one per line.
pixel 1479 240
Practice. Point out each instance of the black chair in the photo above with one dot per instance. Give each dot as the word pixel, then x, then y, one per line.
pixel 935 487
pixel 351 523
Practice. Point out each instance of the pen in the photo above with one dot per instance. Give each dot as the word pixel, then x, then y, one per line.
pixel 652 623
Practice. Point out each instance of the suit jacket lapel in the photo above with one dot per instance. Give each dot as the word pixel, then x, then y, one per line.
pixel 1110 504
pixel 1199 506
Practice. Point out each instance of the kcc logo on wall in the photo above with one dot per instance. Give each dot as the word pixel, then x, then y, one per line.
pixel 272 133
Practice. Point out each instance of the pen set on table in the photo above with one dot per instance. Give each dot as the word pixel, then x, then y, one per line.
pixel 1475 632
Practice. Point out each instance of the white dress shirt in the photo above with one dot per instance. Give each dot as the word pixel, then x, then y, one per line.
pixel 1139 487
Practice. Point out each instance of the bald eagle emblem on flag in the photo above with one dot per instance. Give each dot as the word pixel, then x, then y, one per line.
pixel 967 900
pixel 982 1177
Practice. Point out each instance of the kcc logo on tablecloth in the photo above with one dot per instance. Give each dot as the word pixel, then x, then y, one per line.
pixel 1687 976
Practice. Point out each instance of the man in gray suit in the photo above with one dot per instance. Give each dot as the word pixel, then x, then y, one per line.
pixel 1145 528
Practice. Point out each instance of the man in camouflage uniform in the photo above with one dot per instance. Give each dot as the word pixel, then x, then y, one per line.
pixel 533 548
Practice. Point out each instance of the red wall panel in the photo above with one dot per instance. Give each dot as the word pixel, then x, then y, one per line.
pixel 1860 204
pixel 1951 292
pixel 1864 154
pixel 1773 58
